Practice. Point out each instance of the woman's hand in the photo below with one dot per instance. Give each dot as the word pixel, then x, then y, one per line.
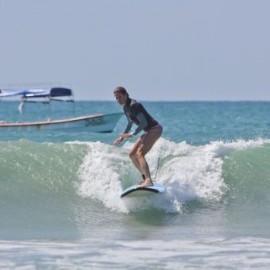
pixel 121 138
pixel 118 140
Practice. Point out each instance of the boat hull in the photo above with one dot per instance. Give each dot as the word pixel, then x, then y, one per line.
pixel 91 123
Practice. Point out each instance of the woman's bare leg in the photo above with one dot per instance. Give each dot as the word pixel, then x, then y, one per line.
pixel 143 148
pixel 133 155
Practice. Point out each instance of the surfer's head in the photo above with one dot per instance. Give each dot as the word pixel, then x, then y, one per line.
pixel 120 94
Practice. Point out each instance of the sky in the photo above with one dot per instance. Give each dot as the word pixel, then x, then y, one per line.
pixel 157 49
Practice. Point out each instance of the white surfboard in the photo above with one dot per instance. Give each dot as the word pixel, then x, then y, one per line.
pixel 138 190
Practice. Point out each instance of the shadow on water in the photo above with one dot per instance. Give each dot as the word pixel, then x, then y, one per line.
pixel 197 218
pixel 153 217
pixel 202 210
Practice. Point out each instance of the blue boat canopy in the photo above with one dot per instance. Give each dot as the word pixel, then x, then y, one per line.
pixel 37 93
pixel 60 92
pixel 27 95
pixel 23 92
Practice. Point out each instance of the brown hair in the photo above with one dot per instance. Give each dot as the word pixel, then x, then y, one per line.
pixel 120 90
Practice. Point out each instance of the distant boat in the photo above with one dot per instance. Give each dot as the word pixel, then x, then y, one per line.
pixel 93 123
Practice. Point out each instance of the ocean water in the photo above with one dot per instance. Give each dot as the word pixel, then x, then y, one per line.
pixel 59 193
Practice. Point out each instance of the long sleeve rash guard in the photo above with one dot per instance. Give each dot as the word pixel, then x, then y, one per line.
pixel 136 113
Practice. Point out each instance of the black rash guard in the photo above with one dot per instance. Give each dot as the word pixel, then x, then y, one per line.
pixel 136 114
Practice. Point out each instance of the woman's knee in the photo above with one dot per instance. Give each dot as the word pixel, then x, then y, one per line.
pixel 140 153
pixel 132 155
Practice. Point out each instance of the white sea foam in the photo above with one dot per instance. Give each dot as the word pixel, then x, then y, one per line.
pixel 188 173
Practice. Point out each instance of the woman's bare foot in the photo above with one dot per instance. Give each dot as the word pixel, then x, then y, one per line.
pixel 141 182
pixel 146 183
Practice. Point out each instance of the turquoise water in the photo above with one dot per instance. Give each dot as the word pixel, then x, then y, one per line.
pixel 59 193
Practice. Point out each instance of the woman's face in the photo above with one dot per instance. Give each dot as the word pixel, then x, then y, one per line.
pixel 120 98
